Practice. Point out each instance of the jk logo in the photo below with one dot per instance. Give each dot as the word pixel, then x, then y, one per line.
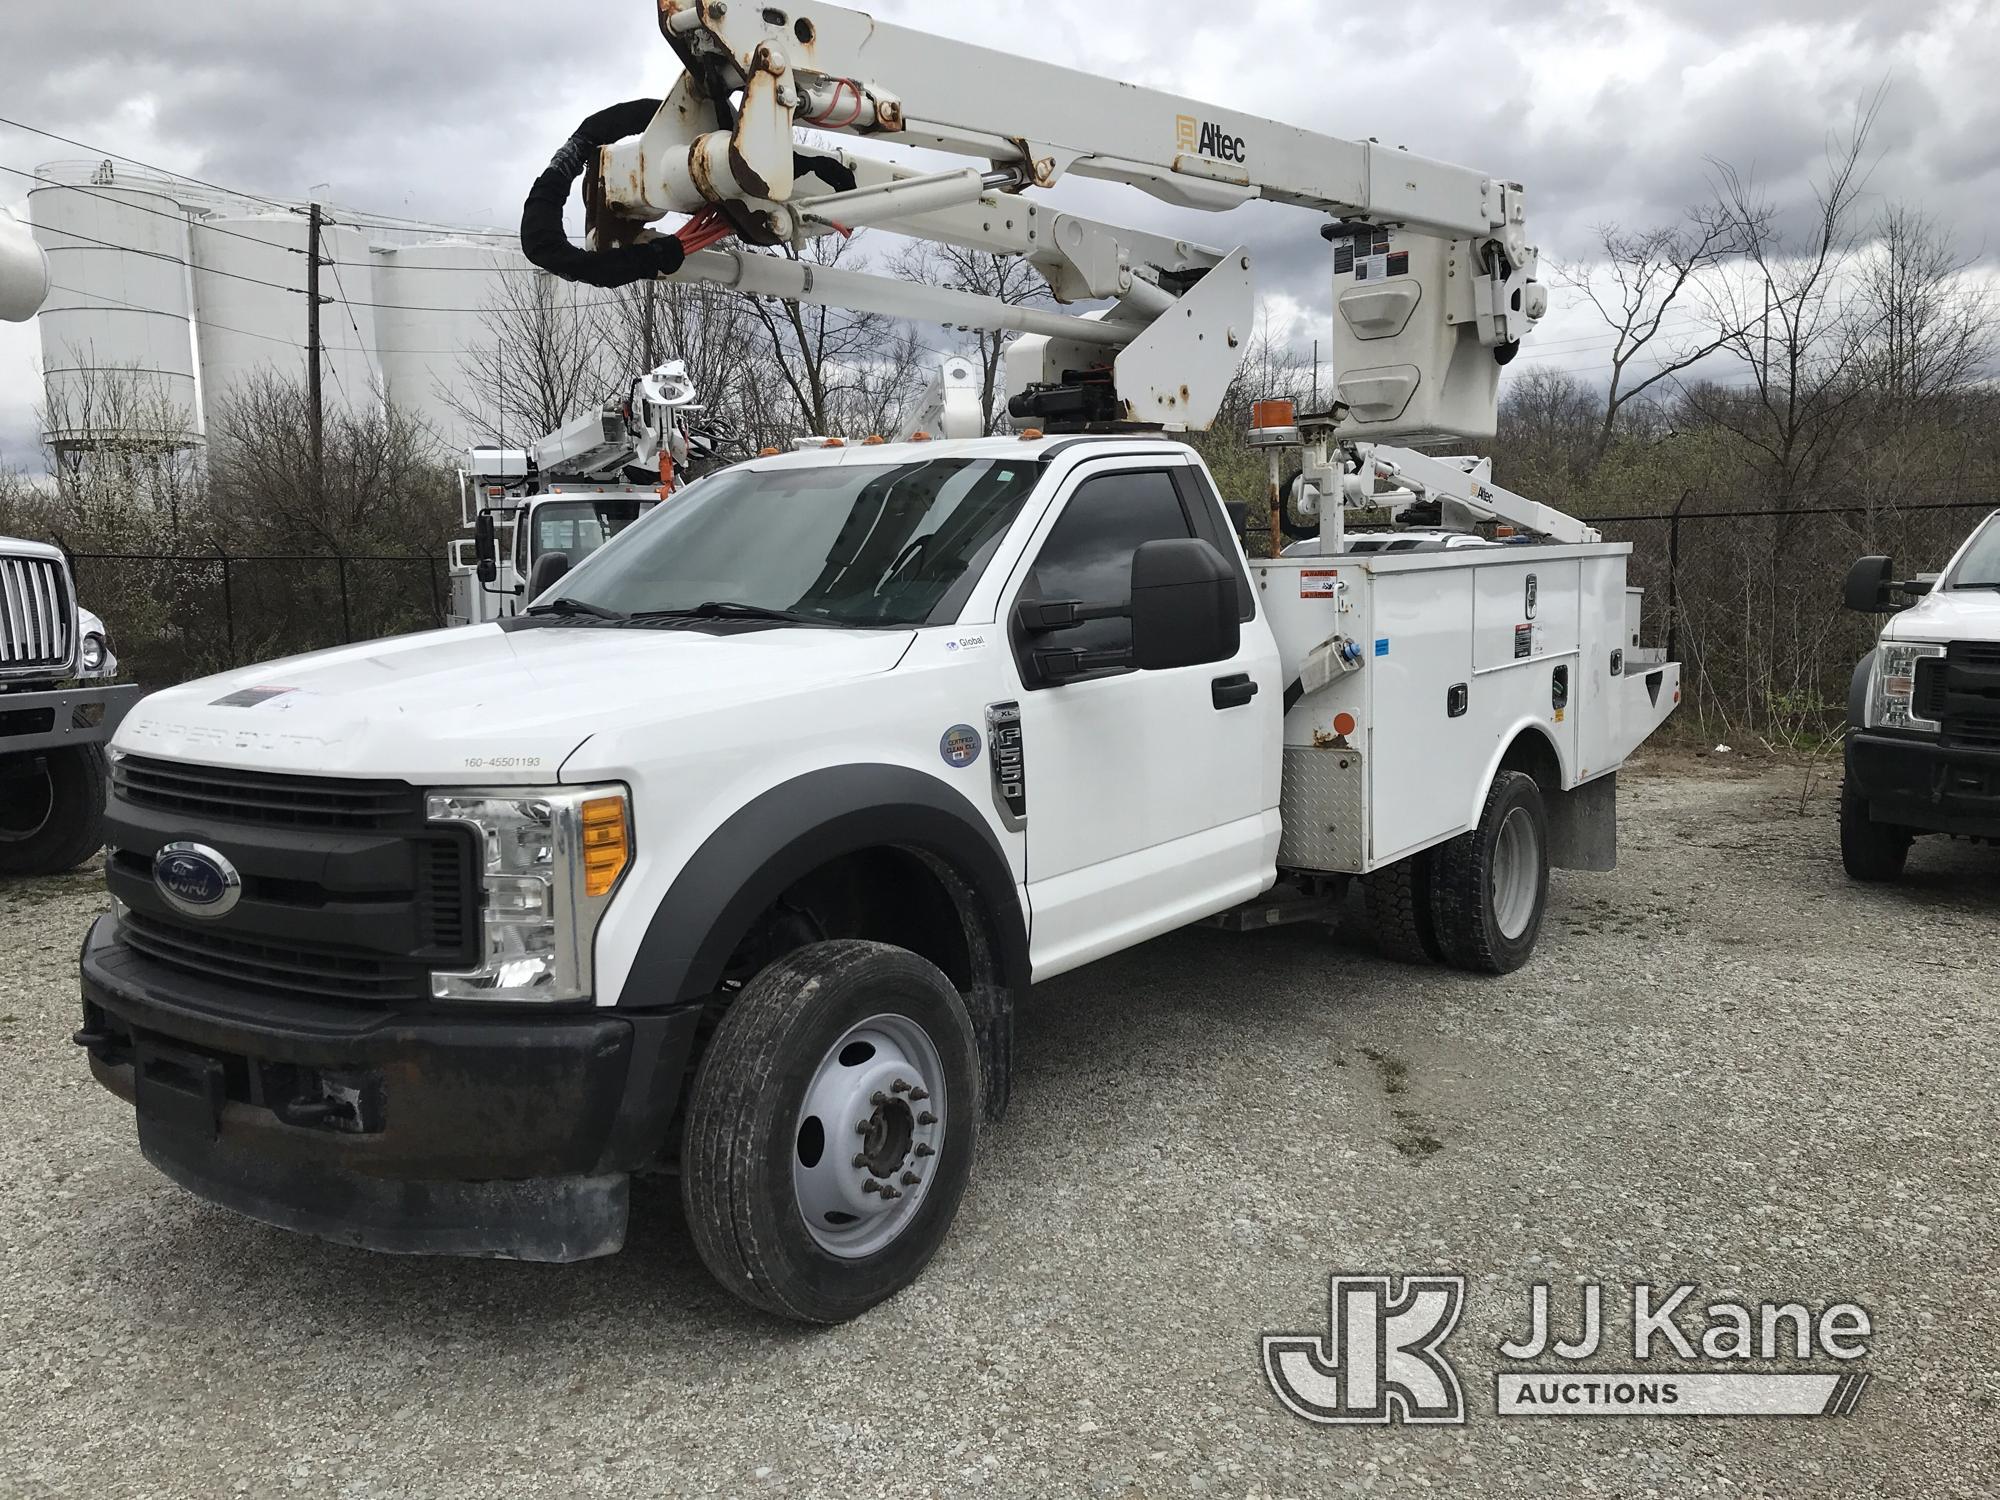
pixel 1379 1361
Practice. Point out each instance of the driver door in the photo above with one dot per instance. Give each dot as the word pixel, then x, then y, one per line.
pixel 1152 795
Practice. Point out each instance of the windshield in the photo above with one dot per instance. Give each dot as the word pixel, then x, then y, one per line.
pixel 848 544
pixel 578 528
pixel 1980 567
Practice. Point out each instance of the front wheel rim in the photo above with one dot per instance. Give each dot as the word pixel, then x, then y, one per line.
pixel 1517 873
pixel 871 1131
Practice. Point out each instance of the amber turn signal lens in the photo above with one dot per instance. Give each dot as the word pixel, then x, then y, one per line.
pixel 607 844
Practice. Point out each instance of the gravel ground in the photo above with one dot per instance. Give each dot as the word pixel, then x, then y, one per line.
pixel 1726 1065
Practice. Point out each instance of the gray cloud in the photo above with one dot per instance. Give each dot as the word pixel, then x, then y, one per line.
pixel 431 108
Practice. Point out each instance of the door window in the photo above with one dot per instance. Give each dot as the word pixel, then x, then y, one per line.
pixel 1088 555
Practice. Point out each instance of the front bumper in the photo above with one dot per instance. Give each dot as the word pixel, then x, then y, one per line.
pixel 414 1131
pixel 51 718
pixel 1915 782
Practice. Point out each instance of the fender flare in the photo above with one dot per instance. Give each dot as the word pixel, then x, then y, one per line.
pixel 1857 691
pixel 792 829
pixel 1506 742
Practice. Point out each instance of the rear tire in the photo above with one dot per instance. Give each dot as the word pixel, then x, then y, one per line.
pixel 841 1064
pixel 1397 900
pixel 1490 887
pixel 1869 851
pixel 52 810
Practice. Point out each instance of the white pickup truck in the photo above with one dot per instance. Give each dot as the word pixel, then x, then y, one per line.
pixel 1923 709
pixel 732 853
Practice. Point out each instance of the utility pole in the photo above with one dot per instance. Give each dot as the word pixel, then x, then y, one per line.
pixel 652 353
pixel 316 410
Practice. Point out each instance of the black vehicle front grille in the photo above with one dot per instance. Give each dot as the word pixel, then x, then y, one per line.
pixel 347 893
pixel 1961 691
pixel 205 792
pixel 322 974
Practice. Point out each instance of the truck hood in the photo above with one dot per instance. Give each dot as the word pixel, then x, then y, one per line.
pixel 1953 615
pixel 482 702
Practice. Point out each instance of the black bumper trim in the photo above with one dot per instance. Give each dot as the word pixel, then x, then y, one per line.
pixel 1924 785
pixel 419 1130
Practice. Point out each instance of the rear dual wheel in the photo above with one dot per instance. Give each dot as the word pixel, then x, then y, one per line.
pixel 1490 887
pixel 831 1130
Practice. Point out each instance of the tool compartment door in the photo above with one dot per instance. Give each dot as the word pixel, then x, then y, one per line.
pixel 1420 646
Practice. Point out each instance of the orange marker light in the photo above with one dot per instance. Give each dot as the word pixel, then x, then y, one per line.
pixel 1272 414
pixel 1343 723
pixel 920 437
pixel 1029 434
pixel 872 439
pixel 767 452
pixel 606 844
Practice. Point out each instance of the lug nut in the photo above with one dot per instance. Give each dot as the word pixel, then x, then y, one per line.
pixel 900 1086
pixel 872 1186
pixel 927 1118
pixel 860 1160
pixel 919 1094
pixel 911 1179
pixel 862 1128
pixel 878 1098
pixel 924 1149
pixel 889 1192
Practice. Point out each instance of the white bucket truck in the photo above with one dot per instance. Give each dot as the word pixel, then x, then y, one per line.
pixel 730 854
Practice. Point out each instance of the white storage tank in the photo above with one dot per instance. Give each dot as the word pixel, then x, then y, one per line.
pixel 433 321
pixel 117 318
pixel 251 310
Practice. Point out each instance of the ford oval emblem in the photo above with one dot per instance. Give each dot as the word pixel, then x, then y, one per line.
pixel 196 880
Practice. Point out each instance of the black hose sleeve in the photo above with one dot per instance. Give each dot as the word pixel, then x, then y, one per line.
pixel 543 239
pixel 828 169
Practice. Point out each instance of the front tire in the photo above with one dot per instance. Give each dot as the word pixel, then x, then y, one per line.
pixel 52 810
pixel 1490 887
pixel 1869 851
pixel 831 1130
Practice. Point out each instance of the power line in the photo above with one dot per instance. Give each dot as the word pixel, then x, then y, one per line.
pixel 163 171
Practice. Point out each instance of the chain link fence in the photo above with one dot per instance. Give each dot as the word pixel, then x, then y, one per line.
pixel 1750 603
pixel 177 616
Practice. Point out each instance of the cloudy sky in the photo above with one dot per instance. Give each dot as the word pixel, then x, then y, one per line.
pixel 1607 111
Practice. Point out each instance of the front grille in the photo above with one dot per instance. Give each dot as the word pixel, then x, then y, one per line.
pixel 204 793
pixel 318 973
pixel 35 617
pixel 347 893
pixel 1961 691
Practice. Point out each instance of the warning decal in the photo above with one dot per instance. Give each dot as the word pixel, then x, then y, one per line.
pixel 1319 583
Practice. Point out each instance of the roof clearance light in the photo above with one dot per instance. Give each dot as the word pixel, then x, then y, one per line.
pixel 872 439
pixel 920 437
pixel 767 452
pixel 1029 434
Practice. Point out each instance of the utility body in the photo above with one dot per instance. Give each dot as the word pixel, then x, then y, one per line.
pixel 1923 710
pixel 729 854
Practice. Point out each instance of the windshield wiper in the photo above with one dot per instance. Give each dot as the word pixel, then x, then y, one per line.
pixel 731 609
pixel 567 606
pixel 1987 584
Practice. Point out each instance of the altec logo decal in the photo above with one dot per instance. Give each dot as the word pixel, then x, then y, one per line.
pixel 1203 138
pixel 1382 1358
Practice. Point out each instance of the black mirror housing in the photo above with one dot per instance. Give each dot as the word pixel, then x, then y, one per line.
pixel 1184 605
pixel 485 548
pixel 547 572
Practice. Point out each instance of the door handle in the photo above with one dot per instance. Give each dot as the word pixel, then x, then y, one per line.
pixel 1232 692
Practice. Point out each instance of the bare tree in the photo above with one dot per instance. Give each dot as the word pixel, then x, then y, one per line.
pixel 540 360
pixel 380 487
pixel 1005 278
pixel 1930 335
pixel 122 453
pixel 1635 283
pixel 1794 323
pixel 832 361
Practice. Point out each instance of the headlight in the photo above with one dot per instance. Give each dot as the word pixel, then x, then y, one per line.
pixel 1893 688
pixel 551 858
pixel 93 652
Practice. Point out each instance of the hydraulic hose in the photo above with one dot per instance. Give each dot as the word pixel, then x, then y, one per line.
pixel 543 239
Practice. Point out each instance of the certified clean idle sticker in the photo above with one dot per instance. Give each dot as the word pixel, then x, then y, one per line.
pixel 959 746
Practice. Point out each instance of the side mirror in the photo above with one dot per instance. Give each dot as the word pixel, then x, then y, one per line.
pixel 547 572
pixel 1184 606
pixel 1869 587
pixel 485 548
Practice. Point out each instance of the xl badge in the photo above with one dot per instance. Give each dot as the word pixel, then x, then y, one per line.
pixel 196 880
